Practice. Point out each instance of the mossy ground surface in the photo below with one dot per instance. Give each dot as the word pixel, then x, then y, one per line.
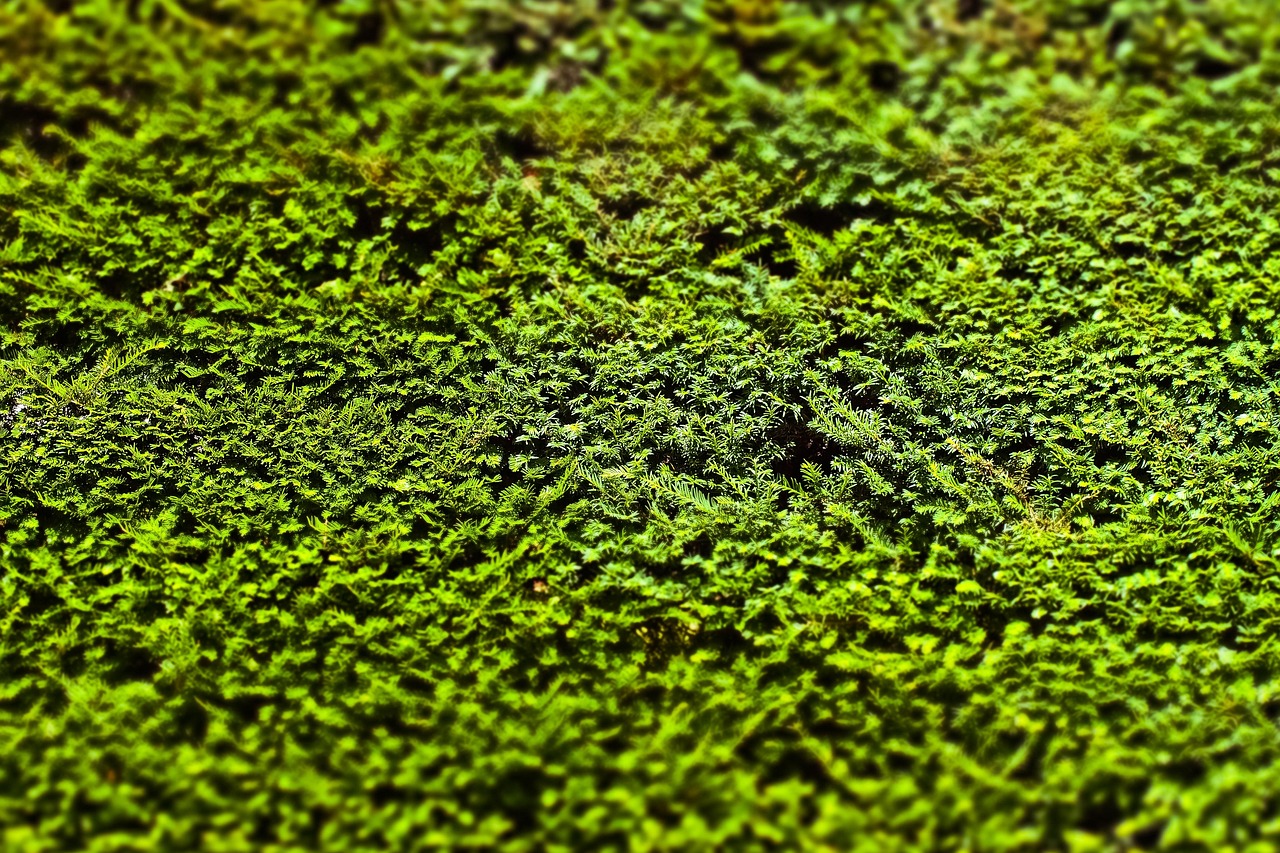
pixel 731 424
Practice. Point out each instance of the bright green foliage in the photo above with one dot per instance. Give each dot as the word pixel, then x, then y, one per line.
pixel 727 424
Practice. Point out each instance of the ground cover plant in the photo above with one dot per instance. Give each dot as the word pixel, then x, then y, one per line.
pixel 552 425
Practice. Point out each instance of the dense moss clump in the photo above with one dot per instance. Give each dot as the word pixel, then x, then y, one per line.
pixel 551 425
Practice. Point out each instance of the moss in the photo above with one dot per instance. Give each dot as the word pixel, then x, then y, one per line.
pixel 544 426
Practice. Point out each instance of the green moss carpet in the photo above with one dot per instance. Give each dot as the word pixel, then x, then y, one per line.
pixel 735 424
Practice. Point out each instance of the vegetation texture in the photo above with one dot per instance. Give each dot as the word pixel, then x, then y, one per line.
pixel 728 424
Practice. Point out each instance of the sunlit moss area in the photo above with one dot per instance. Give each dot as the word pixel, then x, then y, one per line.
pixel 559 425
